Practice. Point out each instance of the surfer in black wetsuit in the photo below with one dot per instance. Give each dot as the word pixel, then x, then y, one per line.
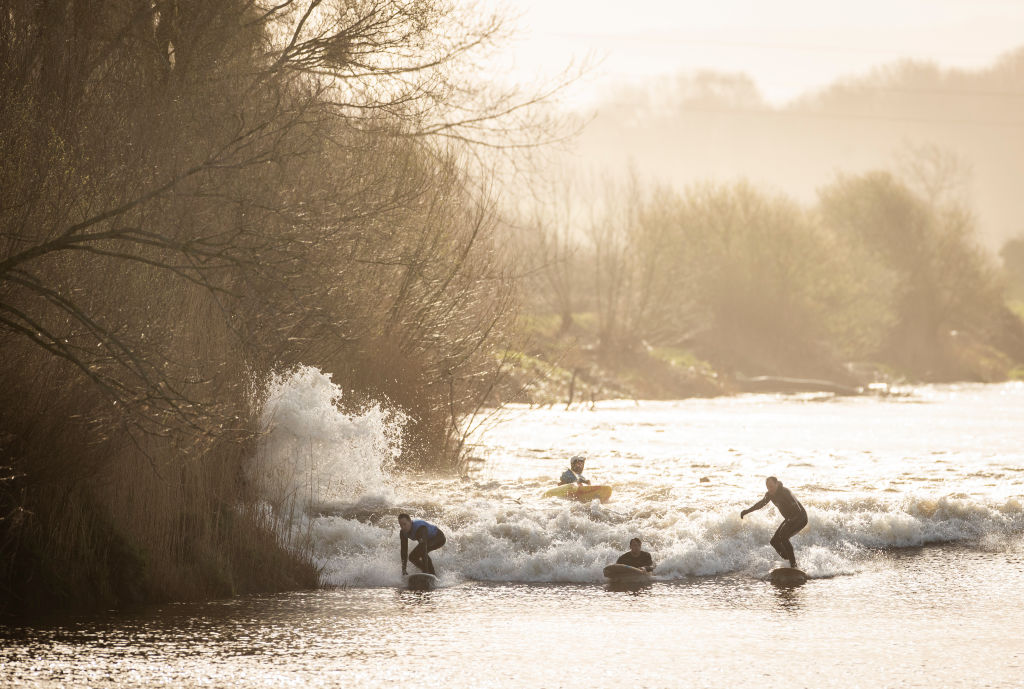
pixel 641 559
pixel 429 538
pixel 792 511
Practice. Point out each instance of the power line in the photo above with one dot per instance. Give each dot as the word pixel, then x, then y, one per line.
pixel 768 112
pixel 678 41
pixel 863 87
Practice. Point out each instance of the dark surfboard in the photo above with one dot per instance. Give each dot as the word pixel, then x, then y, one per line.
pixel 625 573
pixel 787 576
pixel 421 582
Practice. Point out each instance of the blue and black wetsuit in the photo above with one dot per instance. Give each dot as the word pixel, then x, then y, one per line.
pixel 429 538
pixel 795 520
pixel 570 476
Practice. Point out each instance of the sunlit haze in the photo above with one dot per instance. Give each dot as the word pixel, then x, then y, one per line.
pixel 484 344
pixel 787 46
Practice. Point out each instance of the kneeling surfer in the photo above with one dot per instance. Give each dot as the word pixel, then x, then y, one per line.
pixel 428 538
pixel 641 559
pixel 792 511
pixel 574 474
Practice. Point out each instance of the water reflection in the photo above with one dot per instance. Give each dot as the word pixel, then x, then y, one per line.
pixel 362 637
pixel 789 598
pixel 634 588
pixel 415 598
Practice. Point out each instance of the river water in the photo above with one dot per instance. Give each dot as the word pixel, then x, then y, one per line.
pixel 915 548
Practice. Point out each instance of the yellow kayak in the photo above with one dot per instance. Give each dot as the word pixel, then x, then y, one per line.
pixel 582 493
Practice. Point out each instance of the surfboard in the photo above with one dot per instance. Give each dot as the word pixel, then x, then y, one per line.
pixel 421 582
pixel 582 493
pixel 625 573
pixel 787 576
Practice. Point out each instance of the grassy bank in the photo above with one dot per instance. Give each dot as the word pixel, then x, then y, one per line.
pixel 565 366
pixel 656 281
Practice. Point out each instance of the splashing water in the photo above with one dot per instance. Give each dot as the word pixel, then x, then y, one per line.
pixel 866 485
pixel 313 457
pixel 942 466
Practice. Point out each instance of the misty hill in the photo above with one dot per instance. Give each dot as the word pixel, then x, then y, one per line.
pixel 713 126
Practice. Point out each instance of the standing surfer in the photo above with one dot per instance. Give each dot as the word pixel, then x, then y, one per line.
pixel 793 512
pixel 574 474
pixel 428 538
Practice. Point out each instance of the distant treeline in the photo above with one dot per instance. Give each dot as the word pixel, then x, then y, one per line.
pixel 717 126
pixel 755 283
pixel 195 194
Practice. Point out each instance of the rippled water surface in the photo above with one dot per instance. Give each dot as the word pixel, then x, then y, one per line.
pixel 914 546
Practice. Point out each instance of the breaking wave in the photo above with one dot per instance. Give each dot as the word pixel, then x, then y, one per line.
pixel 327 478
pixel 503 541
pixel 313 456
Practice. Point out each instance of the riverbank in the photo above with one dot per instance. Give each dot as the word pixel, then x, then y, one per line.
pixel 568 365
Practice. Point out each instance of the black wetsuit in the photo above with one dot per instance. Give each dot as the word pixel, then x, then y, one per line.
pixel 641 561
pixel 795 520
pixel 427 542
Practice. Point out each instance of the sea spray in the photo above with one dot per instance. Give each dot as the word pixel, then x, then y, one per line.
pixel 336 469
pixel 492 538
pixel 312 456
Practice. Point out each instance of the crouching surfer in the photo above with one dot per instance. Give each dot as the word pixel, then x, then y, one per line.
pixel 792 511
pixel 636 557
pixel 428 538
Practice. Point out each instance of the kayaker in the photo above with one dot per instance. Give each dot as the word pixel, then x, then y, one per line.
pixel 574 474
pixel 794 514
pixel 429 538
pixel 636 557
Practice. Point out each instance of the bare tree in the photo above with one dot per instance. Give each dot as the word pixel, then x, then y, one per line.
pixel 195 193
pixel 940 176
pixel 551 235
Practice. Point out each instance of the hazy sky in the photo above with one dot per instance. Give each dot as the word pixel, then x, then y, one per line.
pixel 787 46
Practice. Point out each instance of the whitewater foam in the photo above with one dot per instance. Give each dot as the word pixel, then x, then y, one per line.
pixel 570 542
pixel 331 473
pixel 313 457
